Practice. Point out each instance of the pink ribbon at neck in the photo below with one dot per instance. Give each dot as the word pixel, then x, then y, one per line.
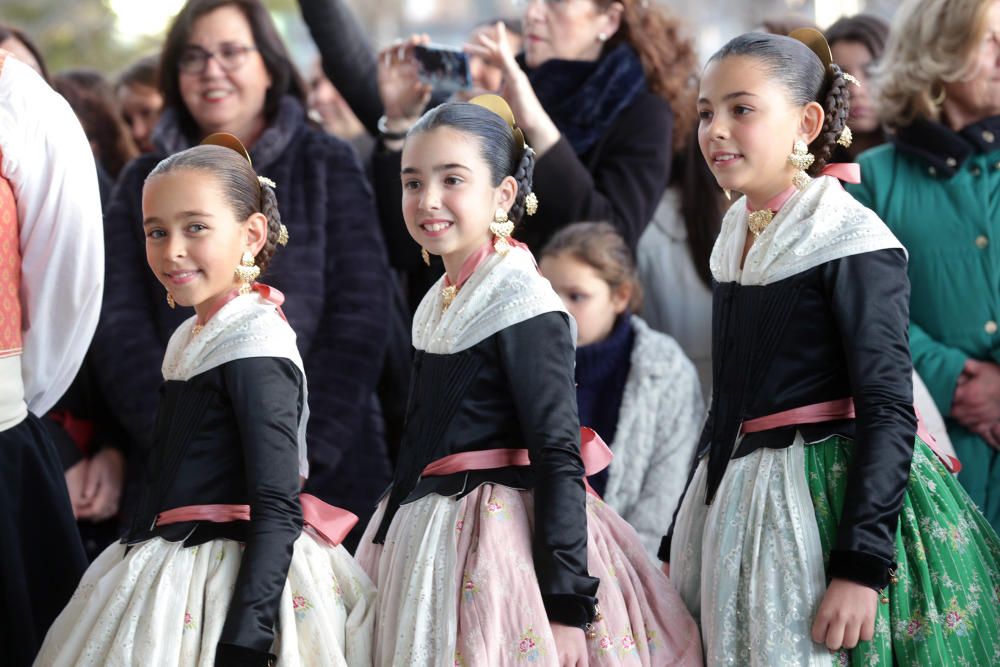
pixel 476 259
pixel 594 451
pixel 332 523
pixel 266 292
pixel 848 172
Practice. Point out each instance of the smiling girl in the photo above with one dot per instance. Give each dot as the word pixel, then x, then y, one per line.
pixel 487 549
pixel 217 567
pixel 817 519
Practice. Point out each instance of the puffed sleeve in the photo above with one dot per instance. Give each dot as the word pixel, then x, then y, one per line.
pixel 869 295
pixel 538 357
pixel 266 397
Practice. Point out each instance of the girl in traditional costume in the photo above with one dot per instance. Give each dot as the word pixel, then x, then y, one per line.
pixel 481 549
pixel 819 527
pixel 218 568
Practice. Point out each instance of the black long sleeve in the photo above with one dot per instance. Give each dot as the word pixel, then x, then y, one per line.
pixel 348 59
pixel 869 295
pixel 266 397
pixel 538 357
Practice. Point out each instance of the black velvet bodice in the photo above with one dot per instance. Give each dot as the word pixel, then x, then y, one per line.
pixel 229 436
pixel 838 330
pixel 512 390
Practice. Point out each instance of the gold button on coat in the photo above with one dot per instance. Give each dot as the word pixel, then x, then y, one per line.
pixel 991 327
pixel 982 241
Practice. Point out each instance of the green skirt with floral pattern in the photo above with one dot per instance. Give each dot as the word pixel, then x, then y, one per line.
pixel 944 608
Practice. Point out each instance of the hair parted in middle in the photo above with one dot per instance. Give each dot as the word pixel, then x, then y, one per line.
pixel 505 155
pixel 244 190
pixel 285 78
pixel 805 78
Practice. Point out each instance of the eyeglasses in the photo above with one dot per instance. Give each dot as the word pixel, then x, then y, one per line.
pixel 194 59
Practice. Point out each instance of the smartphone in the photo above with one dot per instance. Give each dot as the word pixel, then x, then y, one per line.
pixel 446 68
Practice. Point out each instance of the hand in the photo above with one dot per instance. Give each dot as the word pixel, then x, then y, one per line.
pixel 540 132
pixel 666 568
pixel 977 394
pixel 404 95
pixel 103 486
pixel 571 645
pixel 846 615
pixel 76 477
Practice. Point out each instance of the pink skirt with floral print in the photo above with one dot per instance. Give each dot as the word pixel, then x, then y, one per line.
pixel 456 585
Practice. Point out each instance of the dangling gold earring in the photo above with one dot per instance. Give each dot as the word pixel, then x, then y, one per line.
pixel 170 301
pixel 728 194
pixel 846 137
pixel 426 256
pixel 502 228
pixel 801 159
pixel 531 204
pixel 247 272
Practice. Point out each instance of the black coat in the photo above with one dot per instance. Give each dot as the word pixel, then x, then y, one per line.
pixel 334 276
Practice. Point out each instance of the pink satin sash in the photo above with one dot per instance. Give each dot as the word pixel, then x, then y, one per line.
pixel 594 451
pixel 332 523
pixel 848 172
pixel 833 410
pixel 266 292
pixel 473 261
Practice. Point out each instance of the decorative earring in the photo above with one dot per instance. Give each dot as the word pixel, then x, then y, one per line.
pixel 247 272
pixel 531 204
pixel 502 228
pixel 938 100
pixel 728 194
pixel 602 37
pixel 170 301
pixel 846 137
pixel 426 256
pixel 801 159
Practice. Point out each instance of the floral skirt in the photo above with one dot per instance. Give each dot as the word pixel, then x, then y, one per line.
pixel 457 586
pixel 759 553
pixel 165 604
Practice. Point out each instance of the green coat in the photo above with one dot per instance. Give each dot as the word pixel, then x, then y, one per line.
pixel 939 192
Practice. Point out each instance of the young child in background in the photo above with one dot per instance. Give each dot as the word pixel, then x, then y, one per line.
pixel 488 550
pixel 634 385
pixel 217 568
pixel 818 518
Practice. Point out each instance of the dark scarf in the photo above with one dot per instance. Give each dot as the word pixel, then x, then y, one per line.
pixel 585 98
pixel 170 137
pixel 601 373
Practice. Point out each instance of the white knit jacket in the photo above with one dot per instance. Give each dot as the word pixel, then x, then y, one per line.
pixel 659 422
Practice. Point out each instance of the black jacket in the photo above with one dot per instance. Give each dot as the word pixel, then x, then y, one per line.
pixel 836 331
pixel 512 390
pixel 334 276
pixel 229 436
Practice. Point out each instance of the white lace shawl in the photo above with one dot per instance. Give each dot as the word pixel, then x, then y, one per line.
pixel 248 326
pixel 818 225
pixel 504 290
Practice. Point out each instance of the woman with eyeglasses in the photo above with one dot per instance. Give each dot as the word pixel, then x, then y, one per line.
pixel 225 69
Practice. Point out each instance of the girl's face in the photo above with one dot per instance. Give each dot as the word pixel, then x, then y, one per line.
pixel 588 297
pixel 567 29
pixel 448 195
pixel 193 240
pixel 855 58
pixel 748 127
pixel 226 94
